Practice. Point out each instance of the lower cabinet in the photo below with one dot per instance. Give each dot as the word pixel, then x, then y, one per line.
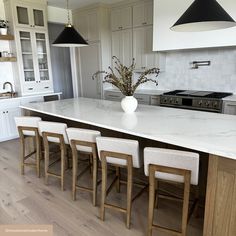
pixel 229 107
pixel 145 99
pixel 10 108
pixel 8 128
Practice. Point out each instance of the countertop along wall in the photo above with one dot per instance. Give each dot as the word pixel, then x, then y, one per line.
pixel 219 76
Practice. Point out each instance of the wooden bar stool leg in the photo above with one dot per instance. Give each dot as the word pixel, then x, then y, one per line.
pixel 129 191
pixel 151 200
pixel 38 155
pixel 95 176
pixel 22 154
pixel 74 171
pixel 46 160
pixel 118 179
pixel 186 202
pixel 156 192
pixel 104 186
pixel 63 165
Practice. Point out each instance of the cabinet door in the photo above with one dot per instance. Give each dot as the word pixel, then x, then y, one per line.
pixel 143 14
pixel 122 46
pixel 39 17
pixel 139 47
pixel 151 58
pixel 90 63
pixel 3 126
pixel 121 18
pixel 26 61
pixel 148 13
pixel 115 20
pixel 229 108
pixel 81 24
pixel 23 17
pixel 93 27
pixel 126 52
pixel 30 15
pixel 10 117
pixel 142 48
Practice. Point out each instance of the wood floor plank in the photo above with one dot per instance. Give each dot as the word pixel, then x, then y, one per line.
pixel 27 200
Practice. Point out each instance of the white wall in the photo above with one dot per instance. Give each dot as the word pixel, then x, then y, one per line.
pixel 58 15
pixel 220 76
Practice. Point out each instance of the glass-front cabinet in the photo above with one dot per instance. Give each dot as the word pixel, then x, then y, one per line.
pixel 35 69
pixel 30 16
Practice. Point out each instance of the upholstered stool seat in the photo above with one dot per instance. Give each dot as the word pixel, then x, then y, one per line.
pixel 83 141
pixel 172 166
pixel 54 132
pixel 28 128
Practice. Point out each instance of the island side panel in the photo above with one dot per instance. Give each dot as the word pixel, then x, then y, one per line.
pixel 220 209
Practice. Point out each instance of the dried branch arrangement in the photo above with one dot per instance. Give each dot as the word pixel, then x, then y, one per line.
pixel 123 80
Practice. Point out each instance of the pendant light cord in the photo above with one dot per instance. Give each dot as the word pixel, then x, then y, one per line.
pixel 68 14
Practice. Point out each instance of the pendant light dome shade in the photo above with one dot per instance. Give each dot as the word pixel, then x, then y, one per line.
pixel 69 37
pixel 204 15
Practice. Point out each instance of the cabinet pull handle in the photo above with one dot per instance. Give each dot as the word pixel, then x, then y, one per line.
pixel 144 23
pixel 30 88
pixel 231 105
pixel 46 87
pixel 113 96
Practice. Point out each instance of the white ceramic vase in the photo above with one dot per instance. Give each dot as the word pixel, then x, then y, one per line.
pixel 129 104
pixel 3 31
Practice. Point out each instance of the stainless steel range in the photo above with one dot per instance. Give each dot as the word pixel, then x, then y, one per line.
pixel 195 100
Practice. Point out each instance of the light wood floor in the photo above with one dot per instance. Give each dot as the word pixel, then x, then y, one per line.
pixel 26 200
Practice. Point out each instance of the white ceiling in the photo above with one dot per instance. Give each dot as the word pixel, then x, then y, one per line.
pixel 74 4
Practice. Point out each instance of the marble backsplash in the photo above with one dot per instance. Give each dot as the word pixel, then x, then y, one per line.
pixel 219 76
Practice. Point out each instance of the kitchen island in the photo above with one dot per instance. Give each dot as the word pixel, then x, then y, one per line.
pixel 210 133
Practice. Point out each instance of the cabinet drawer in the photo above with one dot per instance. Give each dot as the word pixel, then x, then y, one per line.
pixel 142 98
pixel 31 100
pixel 113 96
pixel 9 103
pixel 155 100
pixel 229 107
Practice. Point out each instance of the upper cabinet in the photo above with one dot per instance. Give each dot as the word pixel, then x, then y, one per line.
pixel 121 18
pixel 28 20
pixel 142 48
pixel 122 46
pixel 143 14
pixel 167 12
pixel 30 15
pixel 87 24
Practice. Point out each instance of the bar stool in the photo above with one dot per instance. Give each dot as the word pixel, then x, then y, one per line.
pixel 54 132
pixel 28 128
pixel 84 142
pixel 172 166
pixel 122 153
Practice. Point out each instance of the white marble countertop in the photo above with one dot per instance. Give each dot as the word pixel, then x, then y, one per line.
pixel 207 132
pixel 140 91
pixel 3 100
pixel 230 98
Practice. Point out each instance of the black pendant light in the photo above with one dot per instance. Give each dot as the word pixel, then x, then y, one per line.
pixel 204 15
pixel 69 37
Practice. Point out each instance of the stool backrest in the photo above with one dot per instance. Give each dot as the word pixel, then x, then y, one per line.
pixel 27 121
pixel 124 146
pixel 53 127
pixel 85 135
pixel 172 158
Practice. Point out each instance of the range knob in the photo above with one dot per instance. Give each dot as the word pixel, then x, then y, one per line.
pixel 215 104
pixel 207 104
pixel 200 103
